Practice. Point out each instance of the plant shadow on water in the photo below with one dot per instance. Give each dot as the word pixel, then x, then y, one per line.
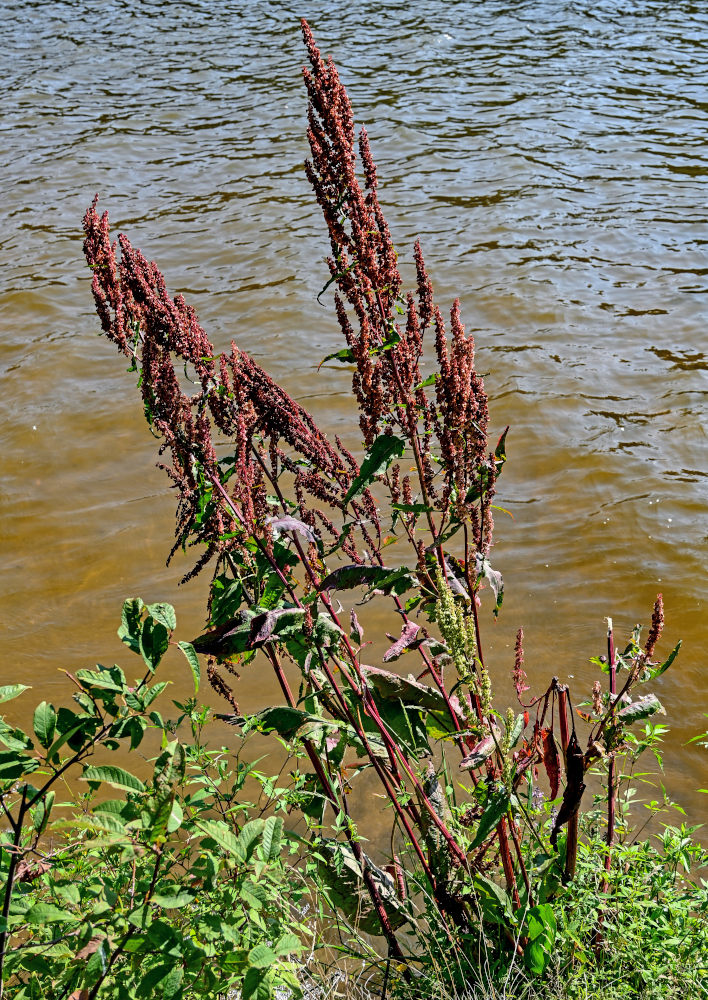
pixel 499 876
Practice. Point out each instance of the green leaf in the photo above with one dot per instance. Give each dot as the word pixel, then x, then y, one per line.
pixel 15 765
pixel 102 678
pixel 256 985
pixel 658 671
pixel 648 705
pixel 193 661
pixel 540 928
pixel 288 944
pixel 47 913
pixel 536 959
pixel 226 598
pixel 14 739
pixel 496 807
pixel 112 775
pixel 44 723
pixel 154 642
pixel 495 904
pixel 344 355
pixel 163 613
pixel 224 837
pixel 272 835
pixel 129 631
pixel 430 380
pixel 10 691
pixel 170 985
pixel 382 452
pixel 248 838
pixel 40 814
pixel 412 508
pixel 173 900
pixel 261 957
pixel 283 719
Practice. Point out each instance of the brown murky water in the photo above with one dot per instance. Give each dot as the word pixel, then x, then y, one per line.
pixel 550 155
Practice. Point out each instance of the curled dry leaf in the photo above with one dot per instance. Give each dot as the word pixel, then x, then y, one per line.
pixel 408 633
pixel 551 760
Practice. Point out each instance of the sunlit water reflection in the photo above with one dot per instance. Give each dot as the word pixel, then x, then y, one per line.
pixel 551 157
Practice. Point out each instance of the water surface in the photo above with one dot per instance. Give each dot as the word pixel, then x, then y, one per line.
pixel 551 157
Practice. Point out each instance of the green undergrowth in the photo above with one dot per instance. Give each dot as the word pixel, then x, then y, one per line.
pixel 179 884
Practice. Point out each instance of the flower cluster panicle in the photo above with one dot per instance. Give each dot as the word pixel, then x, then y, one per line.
pixel 519 675
pixel 457 629
pixel 268 430
pixel 462 413
pixel 656 628
pixel 387 382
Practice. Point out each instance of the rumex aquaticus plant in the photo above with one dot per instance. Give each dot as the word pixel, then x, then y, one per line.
pixel 290 518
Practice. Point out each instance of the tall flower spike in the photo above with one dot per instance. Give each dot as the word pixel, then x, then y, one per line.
pixel 657 627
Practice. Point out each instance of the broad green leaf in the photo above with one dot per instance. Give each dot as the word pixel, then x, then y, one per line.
pixel 254 895
pixel 496 807
pixel 540 928
pixel 153 693
pixel 129 631
pixel 226 599
pixel 496 905
pixel 40 814
pixel 113 775
pixel 171 765
pixel 14 739
pixel 248 838
pixel 261 957
pixel 282 719
pixel 227 639
pixel 172 982
pixel 15 765
pixel 44 723
pixel 648 705
pixel 220 833
pixel 411 508
pixel 154 642
pixel 10 691
pixel 103 678
pixel 257 985
pixel 173 900
pixel 536 958
pixel 288 944
pixel 47 913
pixel 378 577
pixel 272 834
pixel 382 452
pixel 541 922
pixel 193 661
pixel 163 613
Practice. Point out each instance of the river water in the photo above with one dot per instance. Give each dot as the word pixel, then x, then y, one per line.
pixel 550 156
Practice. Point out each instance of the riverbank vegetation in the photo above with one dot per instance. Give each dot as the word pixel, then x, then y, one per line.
pixel 512 865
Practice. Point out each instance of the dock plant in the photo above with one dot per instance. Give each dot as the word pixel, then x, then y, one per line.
pixel 487 803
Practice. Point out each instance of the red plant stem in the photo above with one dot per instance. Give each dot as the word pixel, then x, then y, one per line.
pixel 326 784
pixel 391 745
pixel 611 790
pixel 520 858
pixel 506 862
